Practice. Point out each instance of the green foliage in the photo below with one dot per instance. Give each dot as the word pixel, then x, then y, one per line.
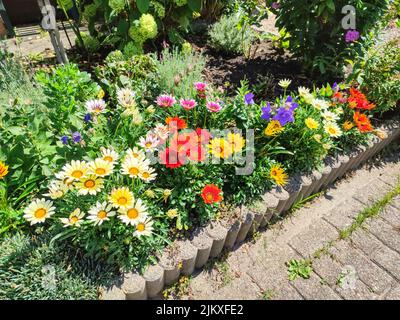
pixel 225 35
pixel 316 33
pixel 378 75
pixel 32 269
pixel 178 71
pixel 67 89
pixel 299 268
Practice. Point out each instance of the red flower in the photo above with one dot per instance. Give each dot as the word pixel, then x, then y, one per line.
pixel 359 101
pixel 211 194
pixel 171 158
pixel 176 123
pixel 362 122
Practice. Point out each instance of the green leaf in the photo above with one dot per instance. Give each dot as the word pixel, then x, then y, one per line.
pixel 194 5
pixel 143 5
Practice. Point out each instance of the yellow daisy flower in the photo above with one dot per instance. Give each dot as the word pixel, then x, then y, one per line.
pixel 311 123
pixel 100 167
pixel 132 215
pixel 3 170
pixel 220 148
pixel 277 173
pixel 121 197
pixel 133 167
pixel 90 185
pixel 39 210
pixel 348 125
pixel 236 141
pixel 74 219
pixel 75 170
pixel 273 129
pixel 172 213
pixel 333 130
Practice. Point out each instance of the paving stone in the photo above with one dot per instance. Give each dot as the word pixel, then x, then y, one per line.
pixel 314 289
pixel 242 288
pixel 391 179
pixel 385 232
pixel 313 238
pixel 396 202
pixel 365 241
pixel 394 293
pixel 388 259
pixel 372 192
pixel 343 215
pixel 392 215
pixel 375 277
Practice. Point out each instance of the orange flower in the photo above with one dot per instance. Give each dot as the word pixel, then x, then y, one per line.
pixel 211 194
pixel 3 170
pixel 362 122
pixel 176 123
pixel 359 100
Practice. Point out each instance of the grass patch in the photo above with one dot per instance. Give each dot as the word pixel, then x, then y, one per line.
pixel 299 269
pixel 179 289
pixel 370 212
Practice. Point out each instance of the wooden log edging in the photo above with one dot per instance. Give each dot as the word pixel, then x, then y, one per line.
pixel 209 241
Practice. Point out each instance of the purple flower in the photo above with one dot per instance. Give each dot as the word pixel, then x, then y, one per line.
pixel 266 112
pixel 275 5
pixel 76 137
pixel 249 98
pixel 290 104
pixel 64 139
pixel 284 116
pixel 352 35
pixel 87 117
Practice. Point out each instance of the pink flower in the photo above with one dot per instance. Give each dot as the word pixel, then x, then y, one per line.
pixel 188 104
pixel 166 101
pixel 200 86
pixel 213 106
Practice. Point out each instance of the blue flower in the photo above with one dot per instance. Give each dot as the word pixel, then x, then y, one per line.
pixel 76 137
pixel 87 117
pixel 284 116
pixel 249 98
pixel 266 112
pixel 64 139
pixel 289 104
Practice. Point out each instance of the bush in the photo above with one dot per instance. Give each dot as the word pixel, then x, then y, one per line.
pixel 226 36
pixel 178 71
pixel 378 75
pixel 316 34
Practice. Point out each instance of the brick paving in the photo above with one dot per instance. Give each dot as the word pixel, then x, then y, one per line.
pixel 365 265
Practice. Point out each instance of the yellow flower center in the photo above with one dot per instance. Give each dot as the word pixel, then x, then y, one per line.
pixel 89 183
pixel 209 196
pixel 140 227
pixel 133 171
pixel 100 171
pixel 132 213
pixel 122 200
pixel 108 158
pixel 40 213
pixel 332 130
pixel 102 214
pixel 148 144
pixel 135 155
pixel 146 175
pixel 77 174
pixel 74 219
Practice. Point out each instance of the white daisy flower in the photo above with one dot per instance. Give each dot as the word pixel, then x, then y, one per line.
pixel 284 83
pixel 149 143
pixel 126 97
pixel 101 212
pixel 96 106
pixel 75 170
pixel 330 116
pixel 147 174
pixel 57 189
pixel 320 104
pixel 100 167
pixel 133 166
pixel 74 219
pixel 136 153
pixel 303 91
pixel 133 215
pixel 90 185
pixel 161 131
pixel 143 228
pixel 109 154
pixel 333 129
pixel 39 210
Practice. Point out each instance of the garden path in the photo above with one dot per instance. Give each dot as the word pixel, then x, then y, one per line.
pixel 364 264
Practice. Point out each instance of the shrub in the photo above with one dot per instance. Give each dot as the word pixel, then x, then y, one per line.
pixel 378 75
pixel 227 37
pixel 178 71
pixel 316 34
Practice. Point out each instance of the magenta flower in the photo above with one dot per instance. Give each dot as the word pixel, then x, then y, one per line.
pixel 352 35
pixel 275 5
pixel 165 101
pixel 213 106
pixel 188 104
pixel 200 86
